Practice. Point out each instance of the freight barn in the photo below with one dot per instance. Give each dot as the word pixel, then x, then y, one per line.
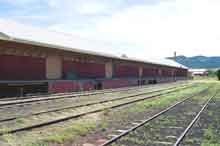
pixel 33 60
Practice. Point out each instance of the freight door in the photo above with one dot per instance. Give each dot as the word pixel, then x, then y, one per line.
pixel 21 68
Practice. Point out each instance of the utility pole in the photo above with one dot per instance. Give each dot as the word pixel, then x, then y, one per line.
pixel 175 56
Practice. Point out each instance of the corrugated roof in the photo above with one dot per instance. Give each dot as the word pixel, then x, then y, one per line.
pixel 10 30
pixel 198 70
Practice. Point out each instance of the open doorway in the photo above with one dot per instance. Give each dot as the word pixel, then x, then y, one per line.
pixel 98 86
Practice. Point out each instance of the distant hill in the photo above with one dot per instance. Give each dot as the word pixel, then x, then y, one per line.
pixel 198 61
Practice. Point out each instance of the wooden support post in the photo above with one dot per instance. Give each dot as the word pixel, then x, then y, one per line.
pixel 109 70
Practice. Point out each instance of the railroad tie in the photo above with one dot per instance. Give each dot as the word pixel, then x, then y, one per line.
pixel 121 131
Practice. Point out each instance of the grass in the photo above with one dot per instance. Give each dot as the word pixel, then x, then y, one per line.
pixel 205 78
pixel 147 105
pixel 74 129
pixel 163 100
pixel 31 120
pixel 206 132
pixel 212 132
pixel 156 130
pixel 44 106
pixel 79 128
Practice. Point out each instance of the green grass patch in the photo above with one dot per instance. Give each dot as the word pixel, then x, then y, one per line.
pixel 79 128
pixel 74 129
pixel 164 100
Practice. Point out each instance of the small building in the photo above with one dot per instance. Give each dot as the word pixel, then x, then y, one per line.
pixel 199 72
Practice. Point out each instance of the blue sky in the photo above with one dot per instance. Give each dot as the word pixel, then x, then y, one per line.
pixel 52 12
pixel 138 28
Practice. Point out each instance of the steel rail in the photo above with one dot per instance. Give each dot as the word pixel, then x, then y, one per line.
pixel 150 119
pixel 2 106
pixel 86 93
pixel 47 99
pixel 182 136
pixel 78 115
pixel 88 104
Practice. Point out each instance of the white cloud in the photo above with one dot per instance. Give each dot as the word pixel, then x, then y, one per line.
pixel 54 3
pixel 190 27
pixel 92 8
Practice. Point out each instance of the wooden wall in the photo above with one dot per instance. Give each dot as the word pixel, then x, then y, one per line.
pixel 54 66
pixel 28 62
pixel 22 68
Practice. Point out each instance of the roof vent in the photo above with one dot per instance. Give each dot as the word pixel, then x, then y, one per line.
pixel 124 56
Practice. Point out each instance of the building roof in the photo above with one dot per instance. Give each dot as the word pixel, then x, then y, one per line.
pixel 13 31
pixel 198 70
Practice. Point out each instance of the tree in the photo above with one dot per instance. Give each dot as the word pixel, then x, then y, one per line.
pixel 212 73
pixel 218 74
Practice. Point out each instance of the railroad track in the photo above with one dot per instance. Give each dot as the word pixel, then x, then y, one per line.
pixel 84 105
pixel 47 123
pixel 182 136
pixel 162 129
pixel 205 131
pixel 74 94
pixel 86 93
pixel 17 102
pixel 20 105
pixel 92 103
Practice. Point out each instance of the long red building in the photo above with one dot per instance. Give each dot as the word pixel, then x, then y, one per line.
pixel 33 60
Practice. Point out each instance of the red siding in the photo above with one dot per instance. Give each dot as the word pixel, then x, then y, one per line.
pixel 150 72
pixel 115 83
pixel 69 86
pixel 126 71
pixel 64 86
pixel 181 73
pixel 84 70
pixel 22 68
pixel 167 73
pixel 89 85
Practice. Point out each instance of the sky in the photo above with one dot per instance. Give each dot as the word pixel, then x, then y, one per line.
pixel 137 28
